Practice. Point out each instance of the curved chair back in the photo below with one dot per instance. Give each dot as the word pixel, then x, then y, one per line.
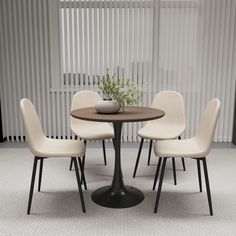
pixel 32 124
pixel 172 103
pixel 84 99
pixel 206 130
pixel 80 100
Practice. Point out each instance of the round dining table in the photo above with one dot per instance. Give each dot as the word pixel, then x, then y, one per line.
pixel 118 195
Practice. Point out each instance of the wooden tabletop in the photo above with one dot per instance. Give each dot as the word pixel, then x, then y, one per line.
pixel 130 114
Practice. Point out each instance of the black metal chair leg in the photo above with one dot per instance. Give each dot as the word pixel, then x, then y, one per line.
pixel 82 173
pixel 199 174
pixel 79 186
pixel 183 163
pixel 160 184
pixel 174 170
pixel 104 152
pixel 157 173
pixel 32 184
pixel 85 142
pixel 40 174
pixel 207 185
pixel 71 164
pixel 81 182
pixel 83 161
pixel 138 157
pixel 149 153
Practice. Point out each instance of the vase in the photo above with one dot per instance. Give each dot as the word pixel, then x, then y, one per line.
pixel 107 107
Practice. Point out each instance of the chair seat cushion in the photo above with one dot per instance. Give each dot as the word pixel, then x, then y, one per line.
pixel 60 148
pixel 156 131
pixel 179 148
pixel 92 130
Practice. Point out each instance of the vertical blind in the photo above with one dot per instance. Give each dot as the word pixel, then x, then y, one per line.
pixel 25 67
pixel 50 49
pixel 101 35
pixel 195 54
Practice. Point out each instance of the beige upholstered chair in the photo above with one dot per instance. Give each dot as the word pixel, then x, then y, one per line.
pixel 43 147
pixel 197 147
pixel 88 130
pixel 170 126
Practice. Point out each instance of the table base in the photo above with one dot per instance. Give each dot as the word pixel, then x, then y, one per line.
pixel 126 197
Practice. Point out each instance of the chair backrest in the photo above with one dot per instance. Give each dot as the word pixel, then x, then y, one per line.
pixel 172 103
pixel 80 100
pixel 34 132
pixel 207 126
pixel 84 99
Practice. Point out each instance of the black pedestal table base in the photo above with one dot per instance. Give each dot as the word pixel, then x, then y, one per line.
pixel 127 197
pixel 117 195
